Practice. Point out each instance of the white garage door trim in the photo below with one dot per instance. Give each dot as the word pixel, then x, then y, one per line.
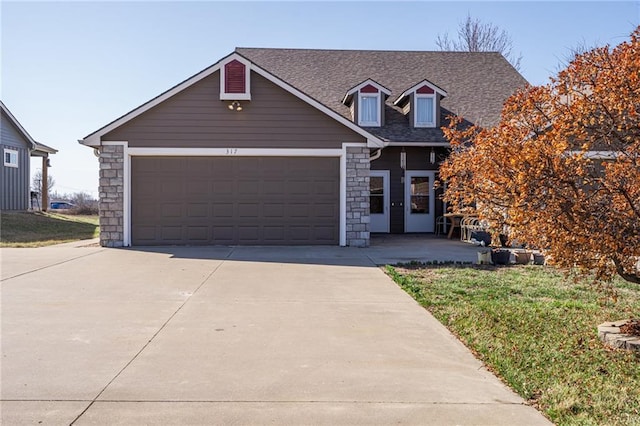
pixel 233 152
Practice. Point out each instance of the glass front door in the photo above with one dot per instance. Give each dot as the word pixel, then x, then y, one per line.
pixel 419 201
pixel 379 200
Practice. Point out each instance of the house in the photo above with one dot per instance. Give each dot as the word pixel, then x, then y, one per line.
pixel 17 148
pixel 292 146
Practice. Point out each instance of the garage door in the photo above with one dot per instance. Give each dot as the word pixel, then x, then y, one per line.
pixel 238 200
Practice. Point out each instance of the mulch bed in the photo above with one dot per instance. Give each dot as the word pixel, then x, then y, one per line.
pixel 632 327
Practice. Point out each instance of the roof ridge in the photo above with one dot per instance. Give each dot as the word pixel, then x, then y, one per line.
pixel 364 50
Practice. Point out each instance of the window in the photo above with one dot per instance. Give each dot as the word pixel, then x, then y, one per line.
pixel 376 195
pixel 420 195
pixel 420 104
pixel 10 158
pixel 369 107
pixel 366 102
pixel 425 111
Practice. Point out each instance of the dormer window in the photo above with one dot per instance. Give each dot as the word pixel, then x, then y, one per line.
pixel 421 103
pixel 234 79
pixel 369 109
pixel 425 111
pixel 366 101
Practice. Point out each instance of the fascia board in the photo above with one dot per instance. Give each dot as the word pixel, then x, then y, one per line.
pixel 365 83
pixel 17 124
pixel 416 87
pixel 445 144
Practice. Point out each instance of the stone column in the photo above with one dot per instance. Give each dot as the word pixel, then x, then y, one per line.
pixel 111 188
pixel 358 219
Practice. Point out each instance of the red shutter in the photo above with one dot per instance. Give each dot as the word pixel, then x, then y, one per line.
pixel 234 77
pixel 425 90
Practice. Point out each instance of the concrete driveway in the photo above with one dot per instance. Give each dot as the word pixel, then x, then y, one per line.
pixel 217 335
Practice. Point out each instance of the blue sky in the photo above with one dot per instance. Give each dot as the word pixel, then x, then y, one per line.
pixel 68 68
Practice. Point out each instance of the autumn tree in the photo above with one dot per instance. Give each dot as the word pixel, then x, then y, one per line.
pixel 561 171
pixel 477 36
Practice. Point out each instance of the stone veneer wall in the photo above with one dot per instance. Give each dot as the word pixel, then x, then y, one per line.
pixel 358 197
pixel 111 189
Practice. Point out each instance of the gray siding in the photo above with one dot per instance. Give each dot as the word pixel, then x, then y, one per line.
pixel 196 118
pixel 411 110
pixel 417 159
pixel 15 181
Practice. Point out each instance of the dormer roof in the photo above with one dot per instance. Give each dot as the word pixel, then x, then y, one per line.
pixel 367 86
pixel 424 87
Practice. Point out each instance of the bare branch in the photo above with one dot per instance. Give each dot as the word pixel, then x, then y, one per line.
pixel 476 36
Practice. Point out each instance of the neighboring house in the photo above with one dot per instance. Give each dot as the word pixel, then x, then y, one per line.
pixel 292 146
pixel 17 147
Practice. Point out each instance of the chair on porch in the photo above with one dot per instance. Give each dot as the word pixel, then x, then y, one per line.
pixel 441 222
pixel 469 225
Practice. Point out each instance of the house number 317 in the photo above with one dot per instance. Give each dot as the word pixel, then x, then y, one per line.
pixel 232 151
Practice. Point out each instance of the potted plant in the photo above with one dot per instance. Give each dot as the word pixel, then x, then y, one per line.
pixel 500 256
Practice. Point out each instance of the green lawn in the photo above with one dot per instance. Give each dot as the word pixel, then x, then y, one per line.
pixel 37 229
pixel 536 329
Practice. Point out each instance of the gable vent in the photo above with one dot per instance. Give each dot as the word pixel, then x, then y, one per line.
pixel 369 89
pixel 425 90
pixel 234 77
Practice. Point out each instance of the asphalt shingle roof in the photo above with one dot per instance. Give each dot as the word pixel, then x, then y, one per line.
pixel 477 83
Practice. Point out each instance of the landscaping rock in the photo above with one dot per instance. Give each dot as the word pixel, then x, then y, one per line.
pixel 610 334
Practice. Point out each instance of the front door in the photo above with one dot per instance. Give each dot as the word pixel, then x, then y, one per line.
pixel 379 200
pixel 419 203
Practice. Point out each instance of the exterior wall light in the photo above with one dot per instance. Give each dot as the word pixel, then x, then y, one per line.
pixel 432 156
pixel 235 106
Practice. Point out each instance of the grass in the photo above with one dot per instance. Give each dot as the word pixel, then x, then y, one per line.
pixel 536 329
pixel 37 229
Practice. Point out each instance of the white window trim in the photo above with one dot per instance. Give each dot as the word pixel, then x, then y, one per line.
pixel 13 154
pixel 368 123
pixel 415 112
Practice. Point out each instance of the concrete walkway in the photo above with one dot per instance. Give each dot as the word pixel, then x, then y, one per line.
pixel 224 335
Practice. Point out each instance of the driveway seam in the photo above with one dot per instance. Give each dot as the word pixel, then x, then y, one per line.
pixel 224 401
pixel 50 266
pixel 151 339
pixel 371 260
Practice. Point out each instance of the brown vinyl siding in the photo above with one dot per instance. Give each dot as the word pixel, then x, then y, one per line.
pixel 417 159
pixel 196 118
